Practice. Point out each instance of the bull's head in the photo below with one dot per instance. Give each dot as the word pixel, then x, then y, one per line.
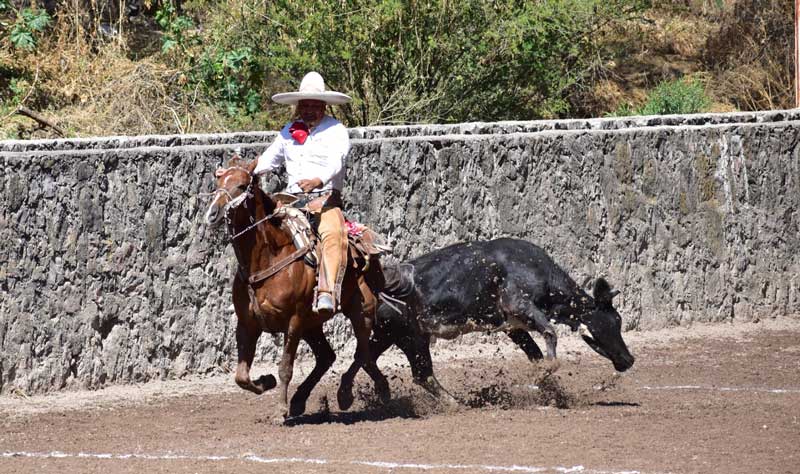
pixel 601 328
pixel 233 183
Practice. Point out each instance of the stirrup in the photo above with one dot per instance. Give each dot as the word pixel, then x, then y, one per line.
pixel 324 303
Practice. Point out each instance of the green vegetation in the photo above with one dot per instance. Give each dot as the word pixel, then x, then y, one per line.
pixel 30 23
pixel 211 65
pixel 403 61
pixel 681 96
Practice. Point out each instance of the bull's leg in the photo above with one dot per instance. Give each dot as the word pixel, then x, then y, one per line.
pixel 419 358
pixel 418 352
pixel 536 320
pixel 378 343
pixel 286 366
pixel 246 339
pixel 324 356
pixel 550 339
pixel 525 342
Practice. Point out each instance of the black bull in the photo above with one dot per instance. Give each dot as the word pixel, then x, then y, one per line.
pixel 504 285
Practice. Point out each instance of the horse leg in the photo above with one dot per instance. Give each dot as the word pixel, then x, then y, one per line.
pixel 324 356
pixel 362 326
pixel 286 366
pixel 246 339
pixel 525 342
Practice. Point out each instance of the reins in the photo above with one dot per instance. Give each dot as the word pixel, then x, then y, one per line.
pixel 233 203
pixel 248 228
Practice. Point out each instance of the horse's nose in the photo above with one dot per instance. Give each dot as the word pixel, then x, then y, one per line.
pixel 212 215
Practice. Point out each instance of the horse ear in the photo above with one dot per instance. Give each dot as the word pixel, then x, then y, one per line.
pixel 602 291
pixel 220 171
pixel 251 166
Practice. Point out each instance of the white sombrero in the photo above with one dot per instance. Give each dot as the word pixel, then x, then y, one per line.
pixel 312 87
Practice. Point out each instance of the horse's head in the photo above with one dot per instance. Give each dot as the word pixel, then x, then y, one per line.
pixel 234 183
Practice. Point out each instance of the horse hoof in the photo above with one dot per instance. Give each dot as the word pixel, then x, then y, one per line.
pixel 345 398
pixel 550 366
pixel 266 382
pixel 279 417
pixel 279 420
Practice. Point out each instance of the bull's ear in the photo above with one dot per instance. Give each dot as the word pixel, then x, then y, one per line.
pixel 602 291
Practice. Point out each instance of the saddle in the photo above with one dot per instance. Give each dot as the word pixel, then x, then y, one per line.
pixel 364 244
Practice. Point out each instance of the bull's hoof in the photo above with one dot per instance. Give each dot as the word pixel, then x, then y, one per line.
pixel 345 397
pixel 383 391
pixel 297 407
pixel 266 382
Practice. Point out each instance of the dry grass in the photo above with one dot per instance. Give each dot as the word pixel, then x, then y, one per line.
pixel 665 43
pixel 737 48
pixel 95 89
pixel 751 56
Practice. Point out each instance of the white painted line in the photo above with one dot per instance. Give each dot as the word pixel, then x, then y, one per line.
pixel 722 389
pixel 259 459
pixel 697 387
pixel 263 460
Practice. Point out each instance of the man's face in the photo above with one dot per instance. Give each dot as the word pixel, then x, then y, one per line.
pixel 311 111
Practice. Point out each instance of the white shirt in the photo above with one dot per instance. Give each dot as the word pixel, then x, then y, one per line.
pixel 321 156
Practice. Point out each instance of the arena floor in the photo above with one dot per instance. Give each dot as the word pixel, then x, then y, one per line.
pixel 719 398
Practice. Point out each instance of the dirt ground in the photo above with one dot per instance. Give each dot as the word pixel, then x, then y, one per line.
pixel 719 398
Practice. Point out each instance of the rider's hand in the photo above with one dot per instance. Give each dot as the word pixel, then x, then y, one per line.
pixel 308 185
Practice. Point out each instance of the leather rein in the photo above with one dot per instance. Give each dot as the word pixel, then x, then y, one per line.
pixel 234 203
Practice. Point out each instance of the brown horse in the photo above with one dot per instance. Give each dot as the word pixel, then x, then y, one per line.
pixel 282 302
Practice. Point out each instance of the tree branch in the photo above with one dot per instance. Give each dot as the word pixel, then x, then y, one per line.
pixel 22 110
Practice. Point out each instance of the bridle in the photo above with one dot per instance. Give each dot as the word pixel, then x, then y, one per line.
pixel 245 274
pixel 234 203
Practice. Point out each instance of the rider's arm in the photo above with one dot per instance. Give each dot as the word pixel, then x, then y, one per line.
pixel 272 158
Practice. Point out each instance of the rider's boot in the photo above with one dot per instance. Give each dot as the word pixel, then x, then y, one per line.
pixel 333 235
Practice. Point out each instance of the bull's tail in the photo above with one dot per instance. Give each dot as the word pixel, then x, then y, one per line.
pixel 399 279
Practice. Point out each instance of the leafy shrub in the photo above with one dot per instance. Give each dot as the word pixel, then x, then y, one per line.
pixel 29 24
pixel 681 96
pixel 437 61
pixel 231 78
pixel 174 25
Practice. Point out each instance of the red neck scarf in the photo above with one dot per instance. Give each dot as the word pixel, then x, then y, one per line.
pixel 299 131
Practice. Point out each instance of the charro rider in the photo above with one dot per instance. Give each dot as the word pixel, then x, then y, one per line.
pixel 313 149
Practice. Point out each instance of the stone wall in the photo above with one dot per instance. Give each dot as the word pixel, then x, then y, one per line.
pixel 108 275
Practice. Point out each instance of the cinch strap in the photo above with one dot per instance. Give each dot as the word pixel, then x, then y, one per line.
pixel 264 274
